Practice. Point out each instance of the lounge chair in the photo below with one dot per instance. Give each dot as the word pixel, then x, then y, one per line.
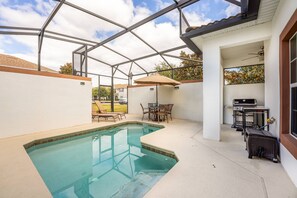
pixel 95 113
pixel 103 110
pixel 144 111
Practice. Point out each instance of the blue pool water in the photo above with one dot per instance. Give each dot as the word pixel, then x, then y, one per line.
pixel 106 163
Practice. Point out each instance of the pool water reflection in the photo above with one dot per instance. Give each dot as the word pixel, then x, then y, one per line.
pixel 108 163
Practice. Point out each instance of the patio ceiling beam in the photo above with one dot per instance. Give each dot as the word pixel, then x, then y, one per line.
pixel 19 33
pixel 41 34
pixel 182 58
pixel 105 63
pixel 95 59
pixel 46 31
pixel 238 3
pixel 173 49
pixel 176 68
pixel 115 70
pixel 154 54
pixel 136 59
pixel 185 19
pixel 140 67
pixel 75 51
pixel 103 75
pixel 52 15
pixel 71 37
pixel 151 48
pixel 182 16
pixel 19 28
pixel 118 53
pixel 123 56
pixel 45 35
pixel 66 40
pixel 181 3
pixel 86 60
pixel 130 68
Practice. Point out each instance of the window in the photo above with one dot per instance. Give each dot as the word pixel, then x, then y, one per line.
pixel 244 75
pixel 294 111
pixel 288 95
pixel 293 85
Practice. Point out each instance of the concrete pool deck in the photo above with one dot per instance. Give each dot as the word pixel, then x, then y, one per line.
pixel 205 168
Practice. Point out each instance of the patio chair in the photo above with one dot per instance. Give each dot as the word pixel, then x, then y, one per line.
pixel 145 111
pixel 162 113
pixel 169 110
pixel 96 113
pixel 103 110
pixel 151 104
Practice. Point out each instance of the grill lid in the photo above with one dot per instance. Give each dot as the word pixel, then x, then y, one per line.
pixel 244 102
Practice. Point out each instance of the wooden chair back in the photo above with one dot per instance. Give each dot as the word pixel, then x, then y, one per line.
pixel 100 107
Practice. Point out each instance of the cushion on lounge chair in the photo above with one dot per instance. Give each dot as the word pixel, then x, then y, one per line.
pixel 103 110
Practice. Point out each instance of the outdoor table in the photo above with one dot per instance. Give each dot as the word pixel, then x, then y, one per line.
pixel 154 110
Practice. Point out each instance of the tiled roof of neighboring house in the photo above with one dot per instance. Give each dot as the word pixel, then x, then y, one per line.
pixel 212 23
pixel 119 86
pixel 12 61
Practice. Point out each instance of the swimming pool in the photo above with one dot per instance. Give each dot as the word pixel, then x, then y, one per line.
pixel 105 163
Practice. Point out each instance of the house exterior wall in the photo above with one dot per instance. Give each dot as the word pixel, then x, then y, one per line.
pixel 121 93
pixel 272 89
pixel 31 103
pixel 269 33
pixel 212 91
pixel 187 100
pixel 212 72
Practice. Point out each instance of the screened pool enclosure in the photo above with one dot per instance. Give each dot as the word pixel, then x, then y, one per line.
pixel 118 49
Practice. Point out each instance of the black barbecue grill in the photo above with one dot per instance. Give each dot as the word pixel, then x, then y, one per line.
pixel 238 105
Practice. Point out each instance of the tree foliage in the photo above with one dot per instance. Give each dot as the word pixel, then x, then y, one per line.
pixel 192 70
pixel 104 92
pixel 66 69
pixel 244 75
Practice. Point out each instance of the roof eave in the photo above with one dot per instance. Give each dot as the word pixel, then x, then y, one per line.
pixel 250 15
pixel 218 26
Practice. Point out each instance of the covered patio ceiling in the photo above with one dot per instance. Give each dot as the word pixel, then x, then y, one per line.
pixel 113 46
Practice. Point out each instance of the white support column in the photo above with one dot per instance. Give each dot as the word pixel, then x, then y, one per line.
pixel 212 82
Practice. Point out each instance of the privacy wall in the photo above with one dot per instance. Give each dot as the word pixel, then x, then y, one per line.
pixel 187 99
pixel 33 102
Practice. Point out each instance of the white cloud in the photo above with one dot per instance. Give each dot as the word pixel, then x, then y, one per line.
pixel 195 19
pixel 232 10
pixel 21 16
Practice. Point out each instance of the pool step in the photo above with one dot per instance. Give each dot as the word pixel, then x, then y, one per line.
pixel 140 184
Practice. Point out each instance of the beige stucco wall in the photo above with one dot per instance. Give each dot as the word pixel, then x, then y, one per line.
pixel 31 103
pixel 187 99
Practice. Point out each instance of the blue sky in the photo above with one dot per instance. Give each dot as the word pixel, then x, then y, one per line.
pixel 12 46
pixel 210 9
